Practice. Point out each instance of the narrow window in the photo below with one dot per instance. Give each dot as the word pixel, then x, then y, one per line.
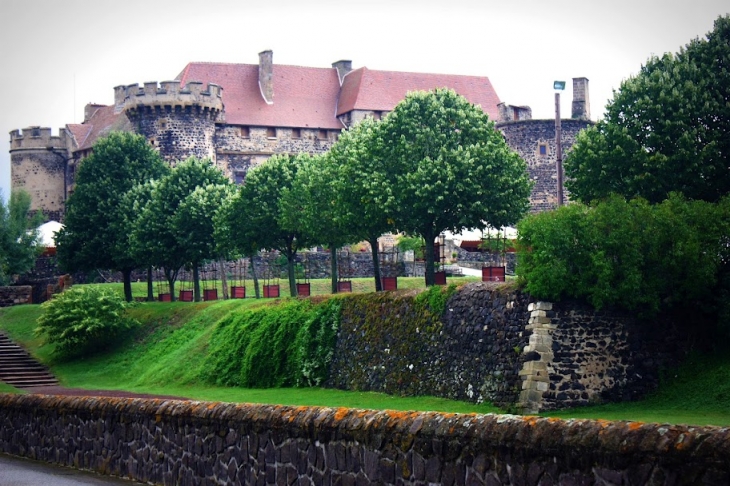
pixel 543 149
pixel 240 177
pixel 271 132
pixel 296 133
pixel 377 115
pixel 245 133
pixel 322 135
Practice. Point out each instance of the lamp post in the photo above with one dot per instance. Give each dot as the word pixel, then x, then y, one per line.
pixel 558 86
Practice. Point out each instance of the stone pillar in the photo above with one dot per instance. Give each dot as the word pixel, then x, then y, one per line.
pixel 535 371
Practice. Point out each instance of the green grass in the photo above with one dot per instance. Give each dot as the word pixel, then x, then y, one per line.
pixel 166 356
pixel 318 286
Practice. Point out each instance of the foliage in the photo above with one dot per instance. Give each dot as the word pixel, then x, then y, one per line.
pixel 435 298
pixel 18 236
pixel 453 169
pixel 629 254
pixel 96 234
pixel 176 227
pixel 83 320
pixel 284 345
pixel 412 243
pixel 666 129
pixel 263 223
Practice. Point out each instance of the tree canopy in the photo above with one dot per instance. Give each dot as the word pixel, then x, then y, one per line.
pixel 666 130
pixel 95 234
pixel 19 245
pixel 452 169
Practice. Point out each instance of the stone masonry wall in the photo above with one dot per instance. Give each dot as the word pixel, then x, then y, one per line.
pixel 194 443
pixel 15 295
pixel 526 137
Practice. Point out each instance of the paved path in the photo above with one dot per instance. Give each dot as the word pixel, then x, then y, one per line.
pixel 15 471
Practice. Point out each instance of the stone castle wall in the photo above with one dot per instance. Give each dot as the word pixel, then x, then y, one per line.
pixel 194 443
pixel 527 137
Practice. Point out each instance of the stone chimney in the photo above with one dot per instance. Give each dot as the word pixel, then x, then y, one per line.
pixel 266 75
pixel 581 101
pixel 343 67
pixel 90 109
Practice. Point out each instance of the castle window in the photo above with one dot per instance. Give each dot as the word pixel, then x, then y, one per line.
pixel 239 177
pixel 542 149
pixel 322 135
pixel 377 115
pixel 36 132
pixel 296 133
pixel 163 124
pixel 271 132
pixel 245 133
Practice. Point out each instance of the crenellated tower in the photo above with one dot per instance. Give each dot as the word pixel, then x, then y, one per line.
pixel 179 121
pixel 40 166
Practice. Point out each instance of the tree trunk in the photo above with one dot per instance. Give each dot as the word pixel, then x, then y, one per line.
pixel 333 268
pixel 171 277
pixel 150 286
pixel 376 263
pixel 429 256
pixel 290 260
pixel 127 278
pixel 224 278
pixel 255 278
pixel 196 282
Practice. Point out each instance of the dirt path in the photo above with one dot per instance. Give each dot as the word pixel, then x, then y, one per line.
pixel 79 392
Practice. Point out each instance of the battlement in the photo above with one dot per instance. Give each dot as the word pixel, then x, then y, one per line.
pixel 38 138
pixel 168 93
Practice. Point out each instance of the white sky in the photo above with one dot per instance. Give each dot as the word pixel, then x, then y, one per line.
pixel 56 56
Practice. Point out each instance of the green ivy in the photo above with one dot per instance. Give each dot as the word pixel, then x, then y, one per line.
pixel 435 298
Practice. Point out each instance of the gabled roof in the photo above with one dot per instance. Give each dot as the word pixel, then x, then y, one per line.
pixel 101 123
pixel 366 89
pixel 303 96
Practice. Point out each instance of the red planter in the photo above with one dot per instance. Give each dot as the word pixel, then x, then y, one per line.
pixel 238 292
pixel 186 296
pixel 164 297
pixel 390 283
pixel 304 289
pixel 439 278
pixel 344 286
pixel 493 274
pixel 271 291
pixel 210 294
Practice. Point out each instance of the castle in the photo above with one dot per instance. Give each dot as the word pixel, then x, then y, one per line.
pixel 238 115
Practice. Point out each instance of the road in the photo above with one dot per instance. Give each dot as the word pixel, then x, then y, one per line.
pixel 15 471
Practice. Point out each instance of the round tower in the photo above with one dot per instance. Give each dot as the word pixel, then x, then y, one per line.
pixel 180 122
pixel 38 165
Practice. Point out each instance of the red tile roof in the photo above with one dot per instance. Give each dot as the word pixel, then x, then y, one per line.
pixel 103 121
pixel 365 89
pixel 303 96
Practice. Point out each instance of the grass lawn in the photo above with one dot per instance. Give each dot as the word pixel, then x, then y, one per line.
pixel 166 356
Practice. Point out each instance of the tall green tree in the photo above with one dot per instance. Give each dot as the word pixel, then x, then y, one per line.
pixel 364 186
pixel 667 129
pixel 19 238
pixel 260 200
pixel 176 228
pixel 310 205
pixel 95 235
pixel 453 169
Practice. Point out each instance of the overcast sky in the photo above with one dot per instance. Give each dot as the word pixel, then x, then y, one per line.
pixel 56 56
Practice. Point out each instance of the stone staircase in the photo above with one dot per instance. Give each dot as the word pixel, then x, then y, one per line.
pixel 19 369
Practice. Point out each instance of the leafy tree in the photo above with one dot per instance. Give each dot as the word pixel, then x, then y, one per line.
pixel 19 246
pixel 95 234
pixel 83 319
pixel 260 201
pixel 176 227
pixel 132 204
pixel 629 254
pixel 666 129
pixel 364 187
pixel 310 205
pixel 453 168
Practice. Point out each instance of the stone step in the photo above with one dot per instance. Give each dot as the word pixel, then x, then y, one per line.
pixel 18 368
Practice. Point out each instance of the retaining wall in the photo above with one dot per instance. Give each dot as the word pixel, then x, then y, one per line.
pixel 190 443
pixel 16 295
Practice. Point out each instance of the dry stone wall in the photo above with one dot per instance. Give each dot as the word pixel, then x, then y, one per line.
pixel 198 443
pixel 16 295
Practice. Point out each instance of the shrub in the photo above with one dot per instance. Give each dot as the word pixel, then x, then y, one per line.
pixel 83 320
pixel 289 344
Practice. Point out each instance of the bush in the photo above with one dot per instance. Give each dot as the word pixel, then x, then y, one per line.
pixel 289 344
pixel 628 254
pixel 84 320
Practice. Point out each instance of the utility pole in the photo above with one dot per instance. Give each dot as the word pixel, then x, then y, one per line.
pixel 559 86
